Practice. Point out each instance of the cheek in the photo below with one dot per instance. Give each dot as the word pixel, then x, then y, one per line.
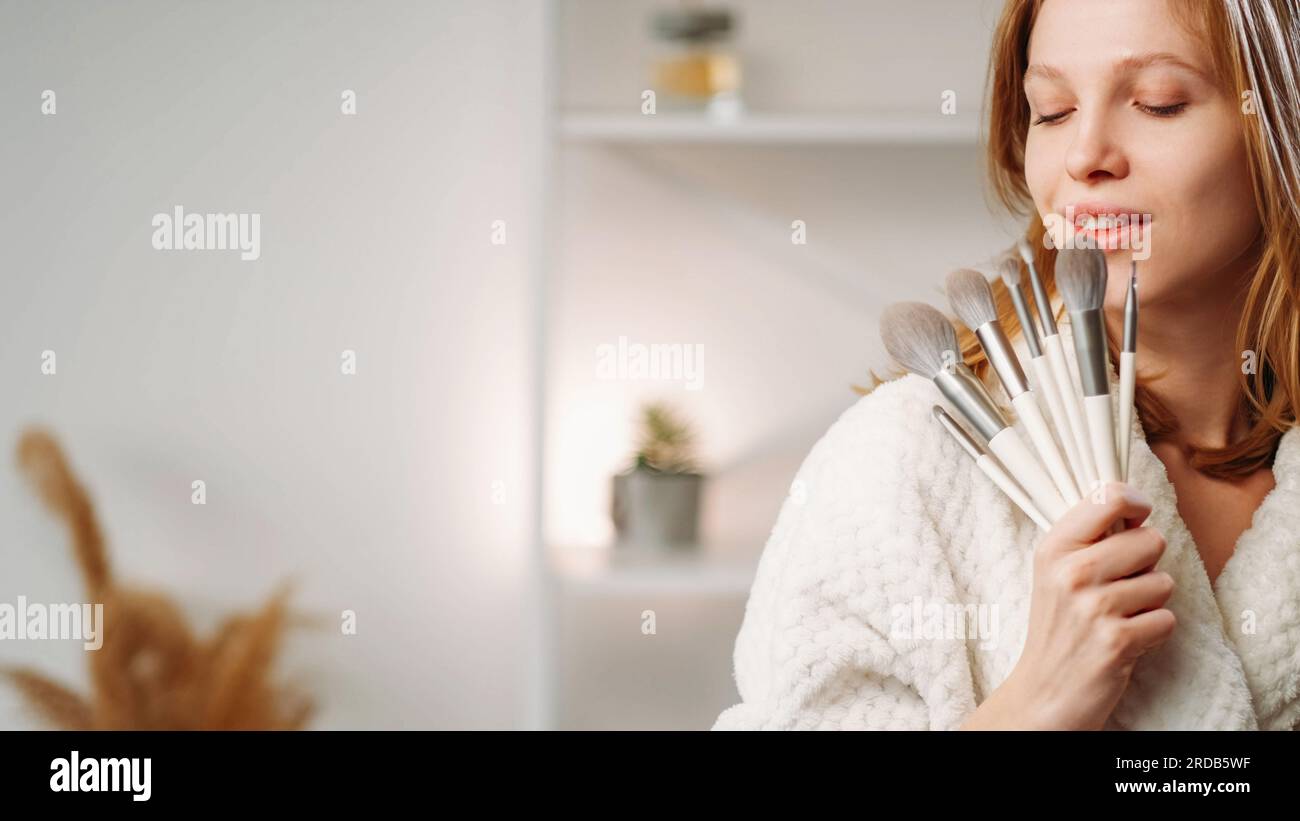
pixel 1042 174
pixel 1207 216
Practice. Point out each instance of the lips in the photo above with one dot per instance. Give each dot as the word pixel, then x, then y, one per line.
pixel 1106 225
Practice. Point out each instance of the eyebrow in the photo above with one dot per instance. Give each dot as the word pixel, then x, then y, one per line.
pixel 1125 65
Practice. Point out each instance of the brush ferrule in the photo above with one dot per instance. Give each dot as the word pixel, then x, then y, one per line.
pixel 1045 314
pixel 960 387
pixel 1002 357
pixel 1131 318
pixel 1090 351
pixel 977 384
pixel 1026 321
pixel 959 433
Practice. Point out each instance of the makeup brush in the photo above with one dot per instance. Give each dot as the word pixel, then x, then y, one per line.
pixel 1076 428
pixel 1081 276
pixel 924 342
pixel 1128 371
pixel 972 300
pixel 991 468
pixel 1009 270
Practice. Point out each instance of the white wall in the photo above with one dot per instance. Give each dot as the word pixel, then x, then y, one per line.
pixel 374 490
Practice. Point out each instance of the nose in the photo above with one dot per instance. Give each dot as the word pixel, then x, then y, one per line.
pixel 1096 151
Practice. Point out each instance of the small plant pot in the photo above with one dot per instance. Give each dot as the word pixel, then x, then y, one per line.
pixel 653 509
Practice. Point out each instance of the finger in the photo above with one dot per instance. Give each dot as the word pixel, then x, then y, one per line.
pixel 1146 569
pixel 1127 554
pixel 1092 516
pixel 1127 597
pixel 1152 628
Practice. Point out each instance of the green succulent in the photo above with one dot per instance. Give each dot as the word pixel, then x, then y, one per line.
pixel 666 442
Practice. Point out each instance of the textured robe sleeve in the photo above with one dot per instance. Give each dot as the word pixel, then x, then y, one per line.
pixel 828 639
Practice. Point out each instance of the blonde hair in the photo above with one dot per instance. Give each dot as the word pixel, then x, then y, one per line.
pixel 1255 47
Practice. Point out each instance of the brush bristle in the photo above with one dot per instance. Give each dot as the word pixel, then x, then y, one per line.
pixel 919 338
pixel 971 298
pixel 1081 277
pixel 1009 270
pixel 1026 253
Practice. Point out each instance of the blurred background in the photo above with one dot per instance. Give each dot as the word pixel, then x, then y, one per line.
pixel 604 271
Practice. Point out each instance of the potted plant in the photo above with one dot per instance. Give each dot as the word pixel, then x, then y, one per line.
pixel 656 501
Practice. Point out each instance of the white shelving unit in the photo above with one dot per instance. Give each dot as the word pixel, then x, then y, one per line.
pixel 622 570
pixel 617 571
pixel 769 128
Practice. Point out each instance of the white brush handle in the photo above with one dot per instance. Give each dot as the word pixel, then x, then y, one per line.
pixel 1041 437
pixel 1021 463
pixel 1127 382
pixel 1056 410
pixel 1102 429
pixel 1008 486
pixel 1070 399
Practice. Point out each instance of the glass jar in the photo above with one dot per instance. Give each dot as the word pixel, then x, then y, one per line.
pixel 695 66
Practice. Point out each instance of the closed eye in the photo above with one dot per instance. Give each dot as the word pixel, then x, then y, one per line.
pixel 1162 110
pixel 1049 118
pixel 1154 110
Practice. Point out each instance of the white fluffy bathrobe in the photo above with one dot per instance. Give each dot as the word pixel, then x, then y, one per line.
pixel 888 516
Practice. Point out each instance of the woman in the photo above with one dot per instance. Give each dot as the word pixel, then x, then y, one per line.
pixel 900 590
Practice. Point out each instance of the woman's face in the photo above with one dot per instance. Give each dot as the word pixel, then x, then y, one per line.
pixel 1125 116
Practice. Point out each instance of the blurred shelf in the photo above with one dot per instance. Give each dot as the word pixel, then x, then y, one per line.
pixel 621 570
pixel 759 128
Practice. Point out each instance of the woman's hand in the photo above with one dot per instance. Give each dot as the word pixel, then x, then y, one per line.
pixel 1097 606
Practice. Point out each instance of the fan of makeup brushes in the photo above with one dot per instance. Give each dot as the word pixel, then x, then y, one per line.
pixel 1047 475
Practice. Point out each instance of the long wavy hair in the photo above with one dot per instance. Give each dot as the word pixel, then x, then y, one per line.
pixel 1255 47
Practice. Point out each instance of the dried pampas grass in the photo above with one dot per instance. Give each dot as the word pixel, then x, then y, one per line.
pixel 152 672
